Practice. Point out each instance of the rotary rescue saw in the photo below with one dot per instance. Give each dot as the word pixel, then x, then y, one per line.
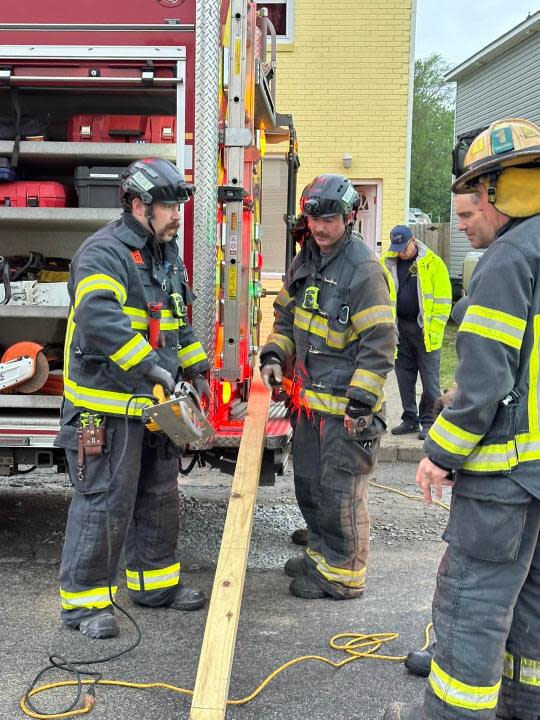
pixel 179 416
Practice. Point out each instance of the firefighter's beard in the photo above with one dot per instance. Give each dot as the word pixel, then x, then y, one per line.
pixel 168 233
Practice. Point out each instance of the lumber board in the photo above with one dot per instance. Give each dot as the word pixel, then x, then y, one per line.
pixel 217 652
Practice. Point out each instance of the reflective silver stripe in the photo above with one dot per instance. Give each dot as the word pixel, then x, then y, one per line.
pixel 283 298
pixel 102 400
pixel 94 283
pixel 95 598
pixel 459 694
pixel 349 578
pixel 452 438
pixel 324 402
pixel 191 354
pixel 508 666
pixel 132 352
pixel 492 457
pixel 529 673
pixel 368 381
pixel 310 322
pixel 153 579
pixel 494 325
pixel 282 341
pixel 376 315
pixel 528 446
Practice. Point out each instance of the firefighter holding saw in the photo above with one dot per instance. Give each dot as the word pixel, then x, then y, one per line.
pixel 334 334
pixel 127 331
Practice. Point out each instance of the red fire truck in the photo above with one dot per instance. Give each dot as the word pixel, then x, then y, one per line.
pixel 87 87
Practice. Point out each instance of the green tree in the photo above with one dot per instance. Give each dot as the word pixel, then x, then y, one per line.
pixel 432 138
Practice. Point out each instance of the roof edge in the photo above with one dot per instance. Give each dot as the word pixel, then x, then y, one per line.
pixel 528 27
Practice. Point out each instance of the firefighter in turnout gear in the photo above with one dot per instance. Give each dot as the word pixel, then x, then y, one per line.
pixel 334 339
pixel 485 610
pixel 127 331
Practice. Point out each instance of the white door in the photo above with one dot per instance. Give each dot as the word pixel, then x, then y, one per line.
pixel 366 220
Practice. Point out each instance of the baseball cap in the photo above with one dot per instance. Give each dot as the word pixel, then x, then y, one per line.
pixel 400 236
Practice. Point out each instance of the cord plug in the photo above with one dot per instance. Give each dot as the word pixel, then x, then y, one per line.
pixel 89 698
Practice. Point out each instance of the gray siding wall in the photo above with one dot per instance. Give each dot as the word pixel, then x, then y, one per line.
pixel 508 86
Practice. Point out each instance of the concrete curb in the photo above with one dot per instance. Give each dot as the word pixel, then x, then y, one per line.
pixel 408 449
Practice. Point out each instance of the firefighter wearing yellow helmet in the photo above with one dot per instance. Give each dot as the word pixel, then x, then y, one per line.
pixel 487 446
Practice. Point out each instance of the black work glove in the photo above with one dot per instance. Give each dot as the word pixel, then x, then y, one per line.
pixel 160 376
pixel 271 371
pixel 202 387
pixel 357 418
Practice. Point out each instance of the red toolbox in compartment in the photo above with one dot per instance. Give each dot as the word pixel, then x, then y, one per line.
pixel 33 194
pixel 122 128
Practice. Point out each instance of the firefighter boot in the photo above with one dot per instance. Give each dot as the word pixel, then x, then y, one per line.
pixel 188 599
pixel 100 625
pixel 299 537
pixel 402 711
pixel 418 662
pixel 295 566
pixel 506 712
pixel 304 587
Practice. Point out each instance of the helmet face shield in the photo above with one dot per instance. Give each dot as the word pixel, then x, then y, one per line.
pixel 183 194
pixel 318 207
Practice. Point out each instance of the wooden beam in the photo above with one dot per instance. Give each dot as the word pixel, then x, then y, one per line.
pixel 215 663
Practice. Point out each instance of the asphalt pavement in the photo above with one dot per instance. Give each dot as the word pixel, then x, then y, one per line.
pixel 274 626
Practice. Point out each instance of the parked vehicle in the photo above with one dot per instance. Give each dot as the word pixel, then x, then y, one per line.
pixel 80 101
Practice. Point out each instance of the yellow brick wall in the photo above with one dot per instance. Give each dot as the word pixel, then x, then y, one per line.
pixel 272 285
pixel 346 82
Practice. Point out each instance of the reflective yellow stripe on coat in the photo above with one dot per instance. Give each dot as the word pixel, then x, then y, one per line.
pixel 139 319
pixel 283 343
pixel 94 283
pixel 191 354
pixel 452 438
pixel 132 352
pixel 105 401
pixel 494 325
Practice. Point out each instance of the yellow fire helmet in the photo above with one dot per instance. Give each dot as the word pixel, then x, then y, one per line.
pixel 505 143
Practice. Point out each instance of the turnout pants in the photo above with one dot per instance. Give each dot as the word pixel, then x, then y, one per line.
pixel 332 495
pixel 486 608
pixel 134 504
pixel 412 359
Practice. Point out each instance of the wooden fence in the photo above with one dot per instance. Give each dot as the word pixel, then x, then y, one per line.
pixel 436 236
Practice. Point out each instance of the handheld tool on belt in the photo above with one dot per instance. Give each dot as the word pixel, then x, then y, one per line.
pixel 155 337
pixel 179 416
pixel 90 438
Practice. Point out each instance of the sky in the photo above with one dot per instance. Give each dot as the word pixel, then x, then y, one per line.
pixel 457 29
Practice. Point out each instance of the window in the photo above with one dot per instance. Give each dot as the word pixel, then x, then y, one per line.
pixel 281 14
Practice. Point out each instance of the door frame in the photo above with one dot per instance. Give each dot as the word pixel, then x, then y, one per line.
pixel 378 207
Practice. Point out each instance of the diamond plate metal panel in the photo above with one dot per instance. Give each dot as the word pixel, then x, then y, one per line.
pixel 205 168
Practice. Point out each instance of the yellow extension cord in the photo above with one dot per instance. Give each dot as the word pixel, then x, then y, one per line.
pixel 352 642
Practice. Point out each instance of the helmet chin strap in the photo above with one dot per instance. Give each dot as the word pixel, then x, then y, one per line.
pixel 149 216
pixel 491 186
